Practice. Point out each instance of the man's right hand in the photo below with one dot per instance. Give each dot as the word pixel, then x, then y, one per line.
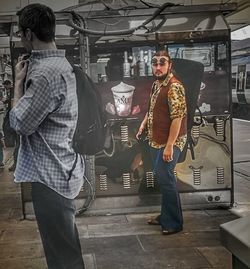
pixel 20 75
pixel 142 127
pixel 21 70
pixel 139 133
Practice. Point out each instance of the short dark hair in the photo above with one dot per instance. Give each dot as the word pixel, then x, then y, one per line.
pixel 40 19
pixel 162 53
pixel 7 82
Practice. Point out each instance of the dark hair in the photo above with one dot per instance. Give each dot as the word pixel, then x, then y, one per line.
pixel 40 19
pixel 7 82
pixel 162 53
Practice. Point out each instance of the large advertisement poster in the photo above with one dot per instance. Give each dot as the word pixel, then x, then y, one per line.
pixel 125 168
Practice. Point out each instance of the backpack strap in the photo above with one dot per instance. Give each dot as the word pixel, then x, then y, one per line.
pixel 190 144
pixel 190 140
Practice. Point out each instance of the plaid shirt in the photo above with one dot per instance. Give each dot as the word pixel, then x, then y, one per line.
pixel 46 117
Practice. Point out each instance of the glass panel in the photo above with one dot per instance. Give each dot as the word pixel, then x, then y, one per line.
pixel 248 80
pixel 214 91
pixel 233 80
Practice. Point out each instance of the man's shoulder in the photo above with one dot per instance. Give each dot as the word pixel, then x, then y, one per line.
pixel 174 80
pixel 51 68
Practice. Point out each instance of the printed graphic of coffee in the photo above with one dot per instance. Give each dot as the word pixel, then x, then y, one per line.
pixel 123 95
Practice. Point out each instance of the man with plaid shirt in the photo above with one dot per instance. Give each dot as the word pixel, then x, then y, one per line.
pixel 44 114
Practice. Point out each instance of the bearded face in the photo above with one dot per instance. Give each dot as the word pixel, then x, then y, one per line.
pixel 161 67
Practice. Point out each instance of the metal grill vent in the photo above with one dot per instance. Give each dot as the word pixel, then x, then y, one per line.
pixel 124 133
pixel 126 180
pixel 150 179
pixel 220 175
pixel 103 182
pixel 196 175
pixel 219 127
pixel 196 131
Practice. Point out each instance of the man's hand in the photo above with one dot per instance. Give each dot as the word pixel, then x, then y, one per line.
pixel 168 153
pixel 20 75
pixel 142 127
pixel 21 71
pixel 139 132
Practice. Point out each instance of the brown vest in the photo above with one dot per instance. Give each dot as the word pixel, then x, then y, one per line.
pixel 161 116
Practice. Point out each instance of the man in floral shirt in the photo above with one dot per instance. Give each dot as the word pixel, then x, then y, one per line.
pixel 167 127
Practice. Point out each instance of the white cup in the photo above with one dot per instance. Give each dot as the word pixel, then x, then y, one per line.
pixel 123 96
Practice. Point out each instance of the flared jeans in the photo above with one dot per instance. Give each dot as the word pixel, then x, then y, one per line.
pixel 171 213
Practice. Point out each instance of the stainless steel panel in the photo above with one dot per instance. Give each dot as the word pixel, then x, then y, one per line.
pixel 211 168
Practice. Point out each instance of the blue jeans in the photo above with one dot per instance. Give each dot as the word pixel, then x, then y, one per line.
pixel 171 212
pixel 55 217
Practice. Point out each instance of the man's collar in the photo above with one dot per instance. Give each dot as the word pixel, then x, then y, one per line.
pixel 39 54
pixel 165 81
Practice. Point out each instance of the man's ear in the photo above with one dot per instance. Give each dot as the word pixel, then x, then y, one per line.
pixel 29 34
pixel 170 66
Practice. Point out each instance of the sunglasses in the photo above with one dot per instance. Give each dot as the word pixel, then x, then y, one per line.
pixel 162 61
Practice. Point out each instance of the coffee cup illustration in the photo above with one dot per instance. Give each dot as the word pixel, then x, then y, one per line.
pixel 123 95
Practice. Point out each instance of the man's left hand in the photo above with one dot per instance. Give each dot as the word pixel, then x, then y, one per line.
pixel 168 153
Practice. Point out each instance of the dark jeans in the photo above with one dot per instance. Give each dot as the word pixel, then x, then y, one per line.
pixel 171 212
pixel 55 216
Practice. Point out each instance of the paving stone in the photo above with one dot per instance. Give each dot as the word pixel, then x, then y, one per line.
pixel 163 259
pixel 217 256
pixel 24 264
pixel 5 213
pixel 14 251
pixel 89 261
pixel 205 268
pixel 14 224
pixel 106 230
pixel 194 220
pixel 180 240
pixel 9 188
pixel 100 219
pixel 140 218
pixel 223 219
pixel 121 244
pixel 200 223
pixel 21 236
pixel 83 231
pixel 217 212
pixel 15 213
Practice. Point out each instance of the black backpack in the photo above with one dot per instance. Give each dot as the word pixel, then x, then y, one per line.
pixel 90 130
pixel 190 73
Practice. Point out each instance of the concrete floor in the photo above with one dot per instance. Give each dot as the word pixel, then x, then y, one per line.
pixel 126 241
